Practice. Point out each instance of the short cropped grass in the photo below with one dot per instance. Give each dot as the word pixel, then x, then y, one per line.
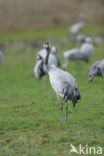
pixel 29 117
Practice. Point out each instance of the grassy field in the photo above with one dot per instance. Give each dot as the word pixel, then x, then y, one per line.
pixel 29 118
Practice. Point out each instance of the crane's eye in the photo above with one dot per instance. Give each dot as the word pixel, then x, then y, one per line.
pixel 45 46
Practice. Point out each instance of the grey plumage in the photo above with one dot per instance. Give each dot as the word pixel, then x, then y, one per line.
pixel 72 94
pixel 62 82
pixel 39 69
pixel 86 50
pixel 82 38
pixel 76 28
pixel 97 69
pixel 1 56
pixel 83 53
pixel 72 55
pixel 53 58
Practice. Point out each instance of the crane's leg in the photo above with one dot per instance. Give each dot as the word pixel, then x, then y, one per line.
pixel 45 81
pixel 62 113
pixel 66 111
pixel 59 101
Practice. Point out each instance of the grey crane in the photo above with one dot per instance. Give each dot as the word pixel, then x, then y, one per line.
pixel 83 53
pixel 72 55
pixel 81 38
pixel 1 56
pixel 86 49
pixel 39 70
pixel 75 28
pixel 62 82
pixel 97 69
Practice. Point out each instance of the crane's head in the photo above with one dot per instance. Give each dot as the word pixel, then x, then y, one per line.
pixel 91 77
pixel 47 45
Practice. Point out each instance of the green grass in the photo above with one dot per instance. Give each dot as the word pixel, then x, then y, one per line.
pixel 33 34
pixel 29 118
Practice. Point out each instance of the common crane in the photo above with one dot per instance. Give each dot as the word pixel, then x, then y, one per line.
pixel 62 82
pixel 97 69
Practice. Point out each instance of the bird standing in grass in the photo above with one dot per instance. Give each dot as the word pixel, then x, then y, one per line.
pixel 72 55
pixel 1 56
pixel 62 82
pixel 75 28
pixel 83 53
pixel 86 49
pixel 97 69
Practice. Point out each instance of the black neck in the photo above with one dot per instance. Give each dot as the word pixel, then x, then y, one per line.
pixel 47 55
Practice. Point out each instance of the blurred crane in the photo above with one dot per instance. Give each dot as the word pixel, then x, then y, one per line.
pixel 97 69
pixel 83 53
pixel 76 28
pixel 1 56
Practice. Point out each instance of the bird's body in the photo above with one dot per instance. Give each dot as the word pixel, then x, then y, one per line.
pixel 39 69
pixel 72 54
pixel 75 28
pixel 87 50
pixel 97 69
pixel 80 38
pixel 83 53
pixel 1 56
pixel 62 82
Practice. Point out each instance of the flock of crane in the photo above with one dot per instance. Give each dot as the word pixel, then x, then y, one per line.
pixel 62 82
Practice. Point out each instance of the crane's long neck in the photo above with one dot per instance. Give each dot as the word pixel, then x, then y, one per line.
pixel 47 56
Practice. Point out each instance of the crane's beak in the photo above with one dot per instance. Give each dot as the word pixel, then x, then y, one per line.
pixel 47 45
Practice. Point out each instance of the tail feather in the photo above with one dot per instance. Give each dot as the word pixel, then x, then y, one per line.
pixel 72 94
pixel 78 94
pixel 99 72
